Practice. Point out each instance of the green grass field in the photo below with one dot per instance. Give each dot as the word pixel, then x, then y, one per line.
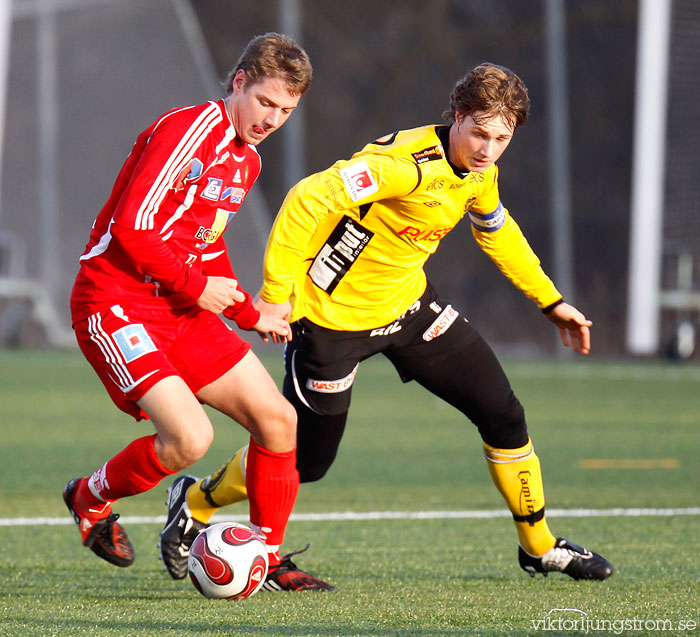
pixel 610 436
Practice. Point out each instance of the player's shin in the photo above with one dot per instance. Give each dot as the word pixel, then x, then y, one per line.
pixel 517 475
pixel 133 470
pixel 227 485
pixel 272 483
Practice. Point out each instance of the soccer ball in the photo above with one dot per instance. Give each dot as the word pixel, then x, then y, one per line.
pixel 228 561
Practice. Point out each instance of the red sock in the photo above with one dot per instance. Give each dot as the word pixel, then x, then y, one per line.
pixel 272 481
pixel 274 558
pixel 133 470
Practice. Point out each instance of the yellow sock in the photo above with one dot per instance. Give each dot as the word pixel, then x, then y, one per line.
pixel 225 486
pixel 516 473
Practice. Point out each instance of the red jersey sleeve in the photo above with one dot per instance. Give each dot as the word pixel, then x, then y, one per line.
pixel 159 156
pixel 151 256
pixel 219 264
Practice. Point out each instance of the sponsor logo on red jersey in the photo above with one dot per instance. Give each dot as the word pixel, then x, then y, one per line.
pixel 215 191
pixel 221 221
pixel 235 195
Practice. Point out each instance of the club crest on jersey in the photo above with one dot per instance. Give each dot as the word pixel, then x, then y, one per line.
pixel 359 181
pixel 133 341
pixel 221 221
pixel 469 203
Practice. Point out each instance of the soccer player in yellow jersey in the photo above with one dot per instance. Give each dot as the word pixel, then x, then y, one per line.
pixel 344 263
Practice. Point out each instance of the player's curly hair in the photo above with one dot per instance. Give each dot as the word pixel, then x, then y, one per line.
pixel 274 55
pixel 488 90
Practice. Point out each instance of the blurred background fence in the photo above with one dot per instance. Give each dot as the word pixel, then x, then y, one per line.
pixel 84 77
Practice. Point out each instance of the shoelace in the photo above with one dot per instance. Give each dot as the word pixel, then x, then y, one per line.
pixel 106 531
pixel 286 560
pixel 584 553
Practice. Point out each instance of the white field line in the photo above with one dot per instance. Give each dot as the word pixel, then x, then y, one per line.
pixel 351 516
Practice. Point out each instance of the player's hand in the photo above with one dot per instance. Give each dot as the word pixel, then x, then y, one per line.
pixel 273 328
pixel 219 293
pixel 573 327
pixel 274 320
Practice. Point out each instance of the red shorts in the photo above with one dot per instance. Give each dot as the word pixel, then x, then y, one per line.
pixel 131 349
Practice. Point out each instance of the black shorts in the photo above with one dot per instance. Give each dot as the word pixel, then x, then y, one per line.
pixel 432 344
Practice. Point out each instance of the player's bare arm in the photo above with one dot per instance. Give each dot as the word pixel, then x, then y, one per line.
pixel 219 293
pixel 573 327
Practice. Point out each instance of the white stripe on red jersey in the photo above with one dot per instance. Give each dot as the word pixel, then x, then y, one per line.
pixel 176 162
pixel 161 227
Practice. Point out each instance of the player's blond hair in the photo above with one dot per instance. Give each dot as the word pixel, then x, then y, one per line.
pixel 277 56
pixel 488 90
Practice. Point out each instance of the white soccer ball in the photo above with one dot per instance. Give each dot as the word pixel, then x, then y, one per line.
pixel 228 561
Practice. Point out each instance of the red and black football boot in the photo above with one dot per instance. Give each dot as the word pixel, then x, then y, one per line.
pixel 287 576
pixel 104 536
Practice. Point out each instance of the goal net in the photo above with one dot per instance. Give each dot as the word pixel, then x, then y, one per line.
pixel 680 280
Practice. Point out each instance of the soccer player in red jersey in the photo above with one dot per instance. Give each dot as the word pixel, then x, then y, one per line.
pixel 153 279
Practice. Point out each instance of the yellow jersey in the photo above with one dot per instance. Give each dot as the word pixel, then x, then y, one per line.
pixel 349 243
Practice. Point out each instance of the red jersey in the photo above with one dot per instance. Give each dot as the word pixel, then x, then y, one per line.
pixel 159 235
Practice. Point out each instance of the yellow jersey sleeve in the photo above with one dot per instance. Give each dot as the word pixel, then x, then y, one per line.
pixel 500 237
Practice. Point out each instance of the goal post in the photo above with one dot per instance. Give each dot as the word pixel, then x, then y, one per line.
pixel 664 265
pixel 643 310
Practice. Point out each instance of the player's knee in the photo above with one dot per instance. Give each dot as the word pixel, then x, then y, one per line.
pixel 506 428
pixel 194 451
pixel 312 471
pixel 277 428
pixel 288 416
pixel 515 416
pixel 314 459
pixel 285 419
pixel 187 449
